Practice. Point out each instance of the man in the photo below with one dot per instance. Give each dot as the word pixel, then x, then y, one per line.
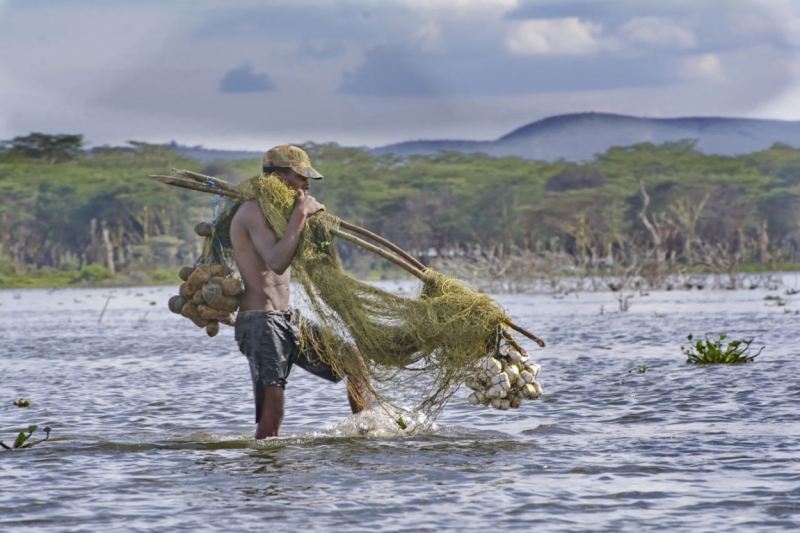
pixel 267 329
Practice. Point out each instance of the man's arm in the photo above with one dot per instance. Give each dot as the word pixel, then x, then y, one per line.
pixel 278 254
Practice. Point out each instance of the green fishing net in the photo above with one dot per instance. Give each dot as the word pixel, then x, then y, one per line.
pixel 415 350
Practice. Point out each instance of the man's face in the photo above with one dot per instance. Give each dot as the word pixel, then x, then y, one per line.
pixel 296 181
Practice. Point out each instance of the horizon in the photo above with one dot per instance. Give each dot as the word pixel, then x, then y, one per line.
pixel 213 148
pixel 178 143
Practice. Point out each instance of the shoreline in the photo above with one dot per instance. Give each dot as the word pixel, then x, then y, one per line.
pixel 540 283
pixel 73 280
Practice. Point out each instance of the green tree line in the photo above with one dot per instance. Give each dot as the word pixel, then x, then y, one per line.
pixel 63 208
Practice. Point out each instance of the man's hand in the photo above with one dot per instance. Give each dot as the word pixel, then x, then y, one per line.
pixel 307 205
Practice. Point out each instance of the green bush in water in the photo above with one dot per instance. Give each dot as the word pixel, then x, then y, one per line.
pixel 709 352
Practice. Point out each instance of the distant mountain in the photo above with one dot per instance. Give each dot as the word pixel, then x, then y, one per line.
pixel 578 137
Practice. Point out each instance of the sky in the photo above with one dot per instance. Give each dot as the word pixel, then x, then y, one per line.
pixel 247 74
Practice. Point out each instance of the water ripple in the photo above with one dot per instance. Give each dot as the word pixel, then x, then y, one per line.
pixel 152 428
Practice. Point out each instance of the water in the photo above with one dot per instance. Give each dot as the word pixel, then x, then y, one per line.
pixel 152 425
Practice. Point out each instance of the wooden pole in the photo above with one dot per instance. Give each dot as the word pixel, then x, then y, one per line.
pixel 202 178
pixel 169 180
pixel 525 332
pixel 104 310
pixel 377 238
pixel 379 251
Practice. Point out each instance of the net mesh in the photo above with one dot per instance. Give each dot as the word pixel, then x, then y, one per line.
pixel 413 351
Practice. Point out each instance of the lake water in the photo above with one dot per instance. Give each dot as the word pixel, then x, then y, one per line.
pixel 152 427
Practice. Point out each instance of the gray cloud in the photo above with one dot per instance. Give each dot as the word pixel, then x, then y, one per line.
pixel 402 71
pixel 393 71
pixel 320 50
pixel 292 21
pixel 244 79
pixel 560 9
pixel 411 69
pixel 719 24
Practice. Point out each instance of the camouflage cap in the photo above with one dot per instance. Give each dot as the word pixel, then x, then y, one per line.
pixel 284 156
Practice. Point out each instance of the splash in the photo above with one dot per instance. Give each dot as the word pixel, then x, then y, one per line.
pixel 383 422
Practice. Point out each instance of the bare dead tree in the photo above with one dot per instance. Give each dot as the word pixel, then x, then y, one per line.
pixel 687 215
pixel 108 246
pixel 763 244
pixel 652 227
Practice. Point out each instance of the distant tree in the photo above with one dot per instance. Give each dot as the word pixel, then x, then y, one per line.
pixel 576 177
pixel 782 146
pixel 50 148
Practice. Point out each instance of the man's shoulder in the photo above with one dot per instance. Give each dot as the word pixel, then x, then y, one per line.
pixel 248 209
pixel 250 217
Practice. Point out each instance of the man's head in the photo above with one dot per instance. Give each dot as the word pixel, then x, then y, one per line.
pixel 292 164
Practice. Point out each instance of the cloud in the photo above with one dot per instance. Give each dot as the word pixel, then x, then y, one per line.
pixel 284 21
pixel 717 25
pixel 411 69
pixel 706 67
pixel 785 106
pixel 556 9
pixel 406 72
pixel 320 50
pixel 565 36
pixel 658 32
pixel 392 71
pixel 429 36
pixel 243 79
pixel 792 31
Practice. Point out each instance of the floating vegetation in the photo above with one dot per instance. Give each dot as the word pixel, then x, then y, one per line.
pixel 709 352
pixel 22 402
pixel 21 440
pixel 641 368
pixel 778 301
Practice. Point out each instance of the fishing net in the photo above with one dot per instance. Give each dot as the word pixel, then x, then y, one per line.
pixel 414 350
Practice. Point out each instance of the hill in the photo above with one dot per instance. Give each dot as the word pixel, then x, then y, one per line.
pixel 579 137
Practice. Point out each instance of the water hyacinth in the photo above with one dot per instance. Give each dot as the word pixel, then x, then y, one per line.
pixel 21 440
pixel 708 352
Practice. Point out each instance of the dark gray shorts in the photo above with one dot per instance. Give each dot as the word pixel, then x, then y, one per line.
pixel 271 342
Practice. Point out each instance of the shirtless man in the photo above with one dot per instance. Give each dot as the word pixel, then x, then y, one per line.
pixel 267 330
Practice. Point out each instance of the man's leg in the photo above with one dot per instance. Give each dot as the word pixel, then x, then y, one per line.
pixel 358 395
pixel 271 413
